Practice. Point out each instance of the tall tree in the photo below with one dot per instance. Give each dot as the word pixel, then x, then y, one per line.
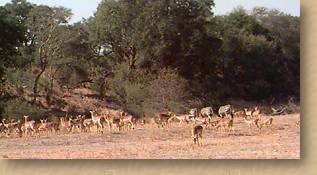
pixel 43 23
pixel 286 30
pixel 20 9
pixel 154 34
pixel 11 37
pixel 252 60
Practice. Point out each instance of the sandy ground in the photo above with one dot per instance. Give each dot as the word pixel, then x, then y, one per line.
pixel 281 141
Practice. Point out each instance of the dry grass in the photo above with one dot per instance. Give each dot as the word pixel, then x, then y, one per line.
pixel 281 141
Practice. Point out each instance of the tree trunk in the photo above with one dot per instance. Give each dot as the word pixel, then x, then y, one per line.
pixel 35 86
pixel 102 90
pixel 50 91
pixel 2 81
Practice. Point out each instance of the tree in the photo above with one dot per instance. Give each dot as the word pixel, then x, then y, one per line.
pixel 152 35
pixel 286 30
pixel 251 57
pixel 156 34
pixel 11 37
pixel 168 91
pixel 43 22
pixel 20 9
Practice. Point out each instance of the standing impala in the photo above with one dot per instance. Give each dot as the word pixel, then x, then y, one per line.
pixel 97 121
pixel 197 134
pixel 28 125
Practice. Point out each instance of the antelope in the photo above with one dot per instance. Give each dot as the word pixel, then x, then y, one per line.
pixel 247 112
pixel 161 119
pixel 197 134
pixel 128 121
pixel 142 121
pixel 239 113
pixel 2 128
pixel 256 112
pixel 214 122
pixel 225 123
pixel 87 124
pixel 267 122
pixel 180 118
pixel 5 127
pixel 47 126
pixel 65 124
pixel 16 127
pixel 117 122
pixel 97 120
pixel 204 121
pixel 10 127
pixel 114 119
pixel 145 121
pixel 107 119
pixel 77 123
pixel 42 126
pixel 28 125
pixel 252 122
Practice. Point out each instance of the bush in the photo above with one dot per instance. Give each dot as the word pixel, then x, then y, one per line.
pixel 16 108
pixel 168 91
pixel 259 89
pixel 142 93
pixel 20 79
pixel 129 88
pixel 3 103
pixel 135 95
pixel 212 99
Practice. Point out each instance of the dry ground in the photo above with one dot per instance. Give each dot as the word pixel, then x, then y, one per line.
pixel 281 141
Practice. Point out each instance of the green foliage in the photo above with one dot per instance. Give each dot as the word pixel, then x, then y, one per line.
pixel 253 63
pixel 138 92
pixel 19 78
pixel 44 24
pixel 72 75
pixel 259 89
pixel 11 37
pixel 286 30
pixel 17 108
pixel 156 34
pixel 128 87
pixel 4 98
pixel 19 8
pixel 150 55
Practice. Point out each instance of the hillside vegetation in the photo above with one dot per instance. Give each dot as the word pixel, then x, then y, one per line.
pixel 144 56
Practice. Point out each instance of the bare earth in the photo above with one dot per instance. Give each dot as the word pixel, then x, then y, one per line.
pixel 281 141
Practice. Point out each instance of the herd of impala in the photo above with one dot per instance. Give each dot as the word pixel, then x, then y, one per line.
pixel 118 120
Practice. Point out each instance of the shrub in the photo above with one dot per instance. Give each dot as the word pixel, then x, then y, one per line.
pixel 3 103
pixel 20 79
pixel 16 108
pixel 142 93
pixel 168 91
pixel 259 89
pixel 129 88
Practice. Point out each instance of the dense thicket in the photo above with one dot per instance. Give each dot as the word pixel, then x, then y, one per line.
pixel 148 55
